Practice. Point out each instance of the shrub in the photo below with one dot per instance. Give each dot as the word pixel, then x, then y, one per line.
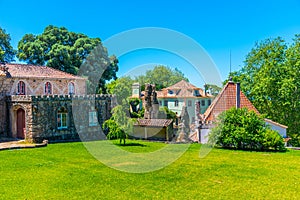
pixel 273 140
pixel 244 129
pixel 166 113
pixel 113 130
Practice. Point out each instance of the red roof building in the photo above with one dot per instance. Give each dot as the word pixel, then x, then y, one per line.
pixel 230 96
pixel 41 80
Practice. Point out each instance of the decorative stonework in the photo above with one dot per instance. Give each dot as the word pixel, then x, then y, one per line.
pixel 151 104
pixel 41 115
pixel 35 116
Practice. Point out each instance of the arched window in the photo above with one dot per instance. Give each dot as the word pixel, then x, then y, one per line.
pixel 48 88
pixel 62 118
pixel 71 87
pixel 21 88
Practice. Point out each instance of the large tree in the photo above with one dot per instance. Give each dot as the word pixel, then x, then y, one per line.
pixel 270 79
pixel 121 87
pixel 67 51
pixel 161 76
pixel 7 53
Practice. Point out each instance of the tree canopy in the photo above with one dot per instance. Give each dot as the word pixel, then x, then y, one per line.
pixel 121 87
pixel 67 51
pixel 7 53
pixel 270 78
pixel 161 76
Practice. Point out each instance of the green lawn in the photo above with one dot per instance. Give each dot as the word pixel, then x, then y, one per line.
pixel 68 171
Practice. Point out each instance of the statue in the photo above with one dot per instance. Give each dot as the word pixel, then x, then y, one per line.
pixel 151 104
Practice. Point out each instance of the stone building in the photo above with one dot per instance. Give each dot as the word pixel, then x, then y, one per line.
pixel 39 102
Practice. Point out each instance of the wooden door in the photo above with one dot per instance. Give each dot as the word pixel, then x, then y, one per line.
pixel 20 123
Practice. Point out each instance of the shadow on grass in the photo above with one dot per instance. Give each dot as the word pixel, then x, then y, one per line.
pixel 131 144
pixel 253 150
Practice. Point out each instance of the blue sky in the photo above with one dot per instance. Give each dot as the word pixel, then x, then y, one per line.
pixel 218 26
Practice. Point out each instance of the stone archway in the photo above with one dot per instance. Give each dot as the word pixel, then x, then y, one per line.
pixel 20 123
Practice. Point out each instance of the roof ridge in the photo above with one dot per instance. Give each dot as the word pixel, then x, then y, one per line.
pixel 182 81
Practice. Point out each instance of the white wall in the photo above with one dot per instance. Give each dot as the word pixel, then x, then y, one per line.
pixel 281 130
pixel 204 135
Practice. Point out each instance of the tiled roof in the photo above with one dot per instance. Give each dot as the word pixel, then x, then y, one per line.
pixel 182 85
pixel 182 89
pixel 226 100
pixel 33 71
pixel 154 122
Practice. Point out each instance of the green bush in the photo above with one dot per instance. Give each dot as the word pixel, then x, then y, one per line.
pixel 166 113
pixel 295 141
pixel 113 130
pixel 244 129
pixel 273 140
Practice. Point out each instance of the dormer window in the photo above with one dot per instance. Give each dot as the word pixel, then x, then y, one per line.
pixel 170 92
pixel 48 88
pixel 71 88
pixel 196 93
pixel 21 88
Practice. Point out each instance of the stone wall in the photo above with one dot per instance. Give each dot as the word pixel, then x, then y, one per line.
pixel 41 116
pixel 5 85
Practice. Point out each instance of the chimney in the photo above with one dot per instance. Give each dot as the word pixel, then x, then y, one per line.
pixel 238 95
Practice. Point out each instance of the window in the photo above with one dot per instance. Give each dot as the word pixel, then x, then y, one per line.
pixel 160 103
pixel 202 102
pixel 166 103
pixel 21 88
pixel 93 120
pixel 209 101
pixel 71 87
pixel 48 88
pixel 62 118
pixel 189 103
pixel 176 103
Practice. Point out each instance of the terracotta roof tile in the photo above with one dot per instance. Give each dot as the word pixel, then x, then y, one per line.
pixel 33 71
pixel 182 89
pixel 154 122
pixel 182 85
pixel 226 100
